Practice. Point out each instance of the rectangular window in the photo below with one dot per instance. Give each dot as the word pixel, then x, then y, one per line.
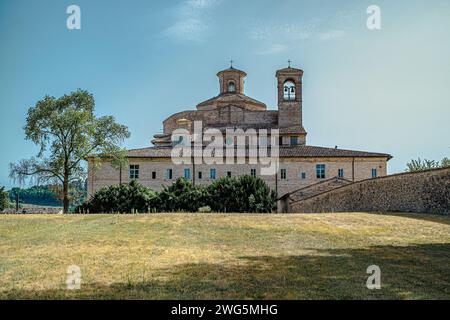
pixel 134 171
pixel 200 175
pixel 340 173
pixel 320 171
pixel 229 174
pixel 303 176
pixel 169 174
pixel 153 175
pixel 253 172
pixel 212 174
pixel 374 173
pixel 294 140
pixel 187 173
pixel 283 174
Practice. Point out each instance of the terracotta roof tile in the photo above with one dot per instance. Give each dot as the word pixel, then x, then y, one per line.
pixel 229 98
pixel 285 152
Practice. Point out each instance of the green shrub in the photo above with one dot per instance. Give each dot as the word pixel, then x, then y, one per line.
pixel 224 195
pixel 243 194
pixel 125 198
pixel 255 195
pixel 182 196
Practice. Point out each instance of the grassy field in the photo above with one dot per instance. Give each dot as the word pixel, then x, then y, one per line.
pixel 206 256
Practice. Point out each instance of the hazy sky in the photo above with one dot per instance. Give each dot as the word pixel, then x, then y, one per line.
pixel 383 91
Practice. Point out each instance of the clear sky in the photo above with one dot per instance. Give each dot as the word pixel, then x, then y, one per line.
pixel 382 91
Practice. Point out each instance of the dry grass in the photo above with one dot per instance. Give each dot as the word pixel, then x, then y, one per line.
pixel 207 256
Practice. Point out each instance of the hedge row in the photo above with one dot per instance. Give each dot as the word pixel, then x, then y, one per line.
pixel 245 194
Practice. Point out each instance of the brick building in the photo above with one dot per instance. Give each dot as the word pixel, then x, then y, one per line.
pixel 300 165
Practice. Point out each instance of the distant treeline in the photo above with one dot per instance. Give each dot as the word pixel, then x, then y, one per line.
pixel 49 195
pixel 37 195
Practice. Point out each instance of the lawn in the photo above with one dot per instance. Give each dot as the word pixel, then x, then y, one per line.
pixel 226 256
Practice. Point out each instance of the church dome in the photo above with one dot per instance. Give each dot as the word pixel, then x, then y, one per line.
pixel 232 70
pixel 231 81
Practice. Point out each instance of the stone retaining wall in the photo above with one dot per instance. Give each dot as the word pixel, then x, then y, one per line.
pixel 427 192
pixel 309 191
pixel 34 210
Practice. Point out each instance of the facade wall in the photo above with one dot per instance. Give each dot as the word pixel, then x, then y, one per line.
pixel 261 117
pixel 294 167
pixel 102 174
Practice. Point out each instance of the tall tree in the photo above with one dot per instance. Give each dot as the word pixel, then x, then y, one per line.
pixel 4 198
pixel 67 131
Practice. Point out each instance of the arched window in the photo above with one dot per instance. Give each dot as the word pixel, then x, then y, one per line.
pixel 289 90
pixel 231 87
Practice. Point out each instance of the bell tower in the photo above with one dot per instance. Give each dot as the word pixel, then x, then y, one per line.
pixel 290 106
pixel 289 97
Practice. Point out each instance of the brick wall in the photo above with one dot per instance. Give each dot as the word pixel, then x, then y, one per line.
pixel 427 192
pixel 230 115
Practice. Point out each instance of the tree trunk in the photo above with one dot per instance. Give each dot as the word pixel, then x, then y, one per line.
pixel 66 193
